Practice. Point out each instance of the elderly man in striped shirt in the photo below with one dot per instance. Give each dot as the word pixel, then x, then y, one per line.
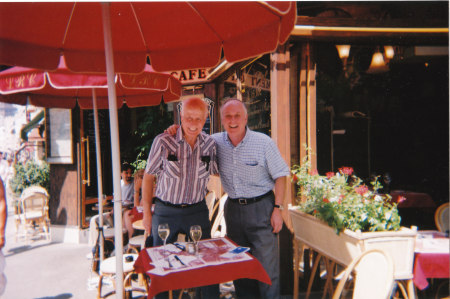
pixel 183 164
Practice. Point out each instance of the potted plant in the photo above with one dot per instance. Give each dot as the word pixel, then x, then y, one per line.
pixel 338 215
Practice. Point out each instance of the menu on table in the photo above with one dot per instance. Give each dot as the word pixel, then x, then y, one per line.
pixel 211 252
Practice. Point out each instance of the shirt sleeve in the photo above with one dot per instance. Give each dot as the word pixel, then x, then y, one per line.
pixel 275 163
pixel 214 165
pixel 154 161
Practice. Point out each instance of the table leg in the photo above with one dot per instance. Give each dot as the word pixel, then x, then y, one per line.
pixel 313 273
pixel 296 265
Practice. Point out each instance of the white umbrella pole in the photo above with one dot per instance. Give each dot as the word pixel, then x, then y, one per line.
pixel 115 152
pixel 99 173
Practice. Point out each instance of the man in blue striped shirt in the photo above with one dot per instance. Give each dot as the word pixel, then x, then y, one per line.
pixel 182 164
pixel 250 167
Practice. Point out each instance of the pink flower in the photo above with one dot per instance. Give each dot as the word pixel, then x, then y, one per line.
pixel 313 172
pixel 330 174
pixel 295 178
pixel 401 199
pixel 346 170
pixel 361 189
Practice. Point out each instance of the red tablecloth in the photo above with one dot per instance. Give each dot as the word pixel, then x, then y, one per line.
pixel 430 264
pixel 201 276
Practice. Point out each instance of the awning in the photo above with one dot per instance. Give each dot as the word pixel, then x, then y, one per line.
pixel 31 125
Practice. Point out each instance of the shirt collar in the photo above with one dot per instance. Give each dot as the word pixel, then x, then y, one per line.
pixel 180 138
pixel 243 141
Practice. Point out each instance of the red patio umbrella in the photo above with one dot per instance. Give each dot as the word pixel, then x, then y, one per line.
pixel 62 89
pixel 121 35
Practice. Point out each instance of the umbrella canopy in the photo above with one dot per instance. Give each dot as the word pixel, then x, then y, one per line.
pixel 62 88
pixel 175 35
pixel 120 36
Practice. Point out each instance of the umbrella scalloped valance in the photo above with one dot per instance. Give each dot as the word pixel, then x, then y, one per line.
pixel 62 88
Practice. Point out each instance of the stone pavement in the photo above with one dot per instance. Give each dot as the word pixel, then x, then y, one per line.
pixel 42 269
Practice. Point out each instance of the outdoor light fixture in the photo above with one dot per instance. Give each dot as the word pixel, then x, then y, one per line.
pixel 377 65
pixel 343 50
pixel 389 52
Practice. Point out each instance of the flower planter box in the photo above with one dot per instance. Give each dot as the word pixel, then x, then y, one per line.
pixel 343 248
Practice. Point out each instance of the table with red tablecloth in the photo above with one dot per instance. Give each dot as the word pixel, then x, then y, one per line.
pixel 201 276
pixel 431 258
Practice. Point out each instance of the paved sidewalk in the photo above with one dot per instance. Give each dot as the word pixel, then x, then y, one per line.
pixel 43 269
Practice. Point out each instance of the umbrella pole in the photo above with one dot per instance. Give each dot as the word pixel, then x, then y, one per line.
pixel 115 152
pixel 99 174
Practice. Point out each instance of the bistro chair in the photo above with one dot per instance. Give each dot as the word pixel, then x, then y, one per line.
pixel 210 202
pixel 374 278
pixel 108 269
pixel 219 228
pixel 34 216
pixel 441 218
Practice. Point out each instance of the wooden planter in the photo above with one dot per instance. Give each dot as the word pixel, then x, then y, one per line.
pixel 343 248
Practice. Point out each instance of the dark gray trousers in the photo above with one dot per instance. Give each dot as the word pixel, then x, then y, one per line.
pixel 249 225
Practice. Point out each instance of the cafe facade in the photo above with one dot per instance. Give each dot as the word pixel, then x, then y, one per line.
pixel 349 110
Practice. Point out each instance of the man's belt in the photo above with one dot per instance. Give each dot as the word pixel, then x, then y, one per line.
pixel 247 201
pixel 179 206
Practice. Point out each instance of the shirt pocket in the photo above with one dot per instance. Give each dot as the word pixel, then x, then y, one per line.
pixel 203 169
pixel 172 169
pixel 250 169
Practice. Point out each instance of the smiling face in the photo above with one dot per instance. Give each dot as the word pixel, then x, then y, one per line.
pixel 193 117
pixel 234 119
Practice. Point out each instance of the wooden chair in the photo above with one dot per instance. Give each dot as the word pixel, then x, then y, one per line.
pixel 374 276
pixel 219 228
pixel 210 202
pixel 34 204
pixel 441 217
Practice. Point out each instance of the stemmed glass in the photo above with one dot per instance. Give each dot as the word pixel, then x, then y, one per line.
pixel 163 233
pixel 196 234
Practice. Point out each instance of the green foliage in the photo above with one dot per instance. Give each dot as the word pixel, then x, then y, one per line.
pixel 151 122
pixel 30 174
pixel 343 201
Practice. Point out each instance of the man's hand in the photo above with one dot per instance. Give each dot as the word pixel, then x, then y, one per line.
pixel 172 130
pixel 276 220
pixel 147 221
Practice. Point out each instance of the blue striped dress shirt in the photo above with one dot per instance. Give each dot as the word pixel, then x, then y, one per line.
pixel 182 172
pixel 251 168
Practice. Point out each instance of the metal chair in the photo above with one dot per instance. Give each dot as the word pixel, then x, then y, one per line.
pixel 374 277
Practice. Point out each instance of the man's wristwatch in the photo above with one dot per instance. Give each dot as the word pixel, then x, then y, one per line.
pixel 278 206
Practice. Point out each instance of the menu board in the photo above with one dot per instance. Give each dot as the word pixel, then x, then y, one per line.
pixel 60 132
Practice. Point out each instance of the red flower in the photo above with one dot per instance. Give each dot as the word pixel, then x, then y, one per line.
pixel 326 200
pixel 361 189
pixel 295 178
pixel 330 174
pixel 346 170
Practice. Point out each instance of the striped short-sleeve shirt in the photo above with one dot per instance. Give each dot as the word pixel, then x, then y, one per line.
pixel 251 168
pixel 182 172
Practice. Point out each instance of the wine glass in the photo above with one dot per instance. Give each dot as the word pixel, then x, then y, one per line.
pixel 163 233
pixel 196 234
